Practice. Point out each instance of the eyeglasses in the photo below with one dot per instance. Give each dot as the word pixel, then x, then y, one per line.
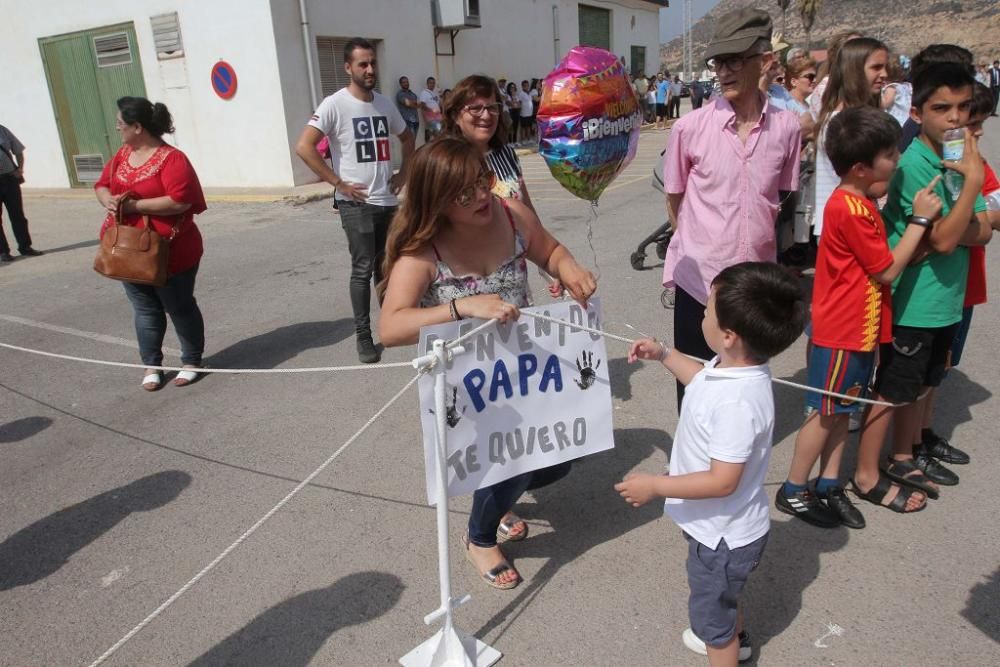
pixel 811 76
pixel 733 63
pixel 483 182
pixel 478 110
pixel 779 79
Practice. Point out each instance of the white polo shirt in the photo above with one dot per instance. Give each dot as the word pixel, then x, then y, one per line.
pixel 727 415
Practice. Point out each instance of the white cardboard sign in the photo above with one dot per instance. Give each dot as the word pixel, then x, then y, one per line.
pixel 525 395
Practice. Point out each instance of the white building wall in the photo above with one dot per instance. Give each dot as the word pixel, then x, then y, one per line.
pixel 248 141
pixel 231 143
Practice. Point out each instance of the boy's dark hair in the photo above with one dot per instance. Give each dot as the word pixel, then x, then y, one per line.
pixel 859 134
pixel 982 100
pixel 936 54
pixel 356 43
pixel 939 75
pixel 762 304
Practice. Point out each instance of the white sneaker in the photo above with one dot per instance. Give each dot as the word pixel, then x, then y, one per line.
pixel 693 643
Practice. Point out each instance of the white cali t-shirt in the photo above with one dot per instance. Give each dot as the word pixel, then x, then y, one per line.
pixel 727 415
pixel 359 141
pixel 826 179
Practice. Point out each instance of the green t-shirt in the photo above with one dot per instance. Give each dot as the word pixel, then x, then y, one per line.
pixel 929 294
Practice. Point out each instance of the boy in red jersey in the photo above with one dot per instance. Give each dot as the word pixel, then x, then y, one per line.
pixel 851 309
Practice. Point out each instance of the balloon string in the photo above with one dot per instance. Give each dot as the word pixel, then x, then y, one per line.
pixel 591 219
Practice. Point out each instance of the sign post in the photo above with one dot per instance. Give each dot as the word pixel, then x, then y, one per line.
pixel 449 647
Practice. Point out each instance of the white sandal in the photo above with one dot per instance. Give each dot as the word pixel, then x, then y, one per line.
pixel 185 377
pixel 152 381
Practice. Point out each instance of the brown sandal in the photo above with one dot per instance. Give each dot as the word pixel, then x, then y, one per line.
pixel 492 577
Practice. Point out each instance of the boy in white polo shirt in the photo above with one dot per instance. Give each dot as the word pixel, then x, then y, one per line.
pixel 715 487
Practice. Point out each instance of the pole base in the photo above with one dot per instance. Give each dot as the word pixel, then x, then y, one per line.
pixel 456 649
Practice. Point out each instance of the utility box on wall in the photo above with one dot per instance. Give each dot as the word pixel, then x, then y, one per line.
pixel 456 14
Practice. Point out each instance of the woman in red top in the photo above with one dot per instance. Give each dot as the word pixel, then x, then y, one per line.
pixel 161 184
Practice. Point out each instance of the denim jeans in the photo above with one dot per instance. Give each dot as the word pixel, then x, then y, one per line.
pixel 366 226
pixel 10 197
pixel 490 504
pixel 153 304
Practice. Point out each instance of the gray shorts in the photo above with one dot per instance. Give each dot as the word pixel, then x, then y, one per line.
pixel 716 579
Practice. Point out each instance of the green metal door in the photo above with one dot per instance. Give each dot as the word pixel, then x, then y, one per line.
pixel 638 60
pixel 595 26
pixel 87 72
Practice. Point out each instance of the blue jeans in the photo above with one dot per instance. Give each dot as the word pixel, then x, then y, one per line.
pixel 490 504
pixel 366 226
pixel 153 304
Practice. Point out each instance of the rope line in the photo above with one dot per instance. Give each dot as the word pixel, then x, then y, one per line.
pixel 121 364
pixel 250 531
pixel 787 383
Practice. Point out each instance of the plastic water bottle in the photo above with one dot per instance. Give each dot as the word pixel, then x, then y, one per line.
pixel 952 148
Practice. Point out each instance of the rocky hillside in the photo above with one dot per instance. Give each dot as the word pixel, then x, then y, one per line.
pixel 905 25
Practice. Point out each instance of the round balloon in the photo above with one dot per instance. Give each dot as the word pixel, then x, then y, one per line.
pixel 588 121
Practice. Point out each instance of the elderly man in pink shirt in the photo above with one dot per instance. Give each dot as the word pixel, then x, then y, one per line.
pixel 724 166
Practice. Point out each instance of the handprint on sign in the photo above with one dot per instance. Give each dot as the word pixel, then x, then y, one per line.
pixel 588 370
pixel 452 416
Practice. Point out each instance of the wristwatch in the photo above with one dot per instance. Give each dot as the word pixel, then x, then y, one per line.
pixel 919 220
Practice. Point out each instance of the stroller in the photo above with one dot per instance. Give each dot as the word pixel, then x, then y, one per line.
pixel 660 237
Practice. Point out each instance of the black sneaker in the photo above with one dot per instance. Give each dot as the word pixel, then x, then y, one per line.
pixel 850 516
pixel 935 472
pixel 942 450
pixel 807 507
pixel 6 257
pixel 367 352
pixel 30 252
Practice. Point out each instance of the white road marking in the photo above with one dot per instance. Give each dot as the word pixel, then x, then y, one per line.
pixel 113 576
pixel 90 335
pixel 832 630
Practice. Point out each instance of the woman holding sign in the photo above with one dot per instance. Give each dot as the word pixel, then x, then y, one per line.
pixel 455 251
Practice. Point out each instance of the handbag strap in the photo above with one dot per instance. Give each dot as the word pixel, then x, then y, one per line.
pixel 120 217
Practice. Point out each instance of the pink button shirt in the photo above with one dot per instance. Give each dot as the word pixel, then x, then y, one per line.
pixel 730 191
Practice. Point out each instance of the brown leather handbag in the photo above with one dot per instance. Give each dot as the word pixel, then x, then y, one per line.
pixel 133 254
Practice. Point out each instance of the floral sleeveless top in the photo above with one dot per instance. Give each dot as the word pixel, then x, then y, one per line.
pixel 509 280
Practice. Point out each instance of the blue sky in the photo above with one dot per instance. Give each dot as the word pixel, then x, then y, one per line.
pixel 672 18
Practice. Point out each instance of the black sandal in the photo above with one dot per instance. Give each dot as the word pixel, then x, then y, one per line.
pixel 907 473
pixel 877 494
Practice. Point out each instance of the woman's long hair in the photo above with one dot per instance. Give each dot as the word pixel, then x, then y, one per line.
pixel 833 47
pixel 466 90
pixel 437 174
pixel 848 85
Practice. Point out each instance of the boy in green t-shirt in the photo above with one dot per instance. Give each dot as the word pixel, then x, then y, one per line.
pixel 928 296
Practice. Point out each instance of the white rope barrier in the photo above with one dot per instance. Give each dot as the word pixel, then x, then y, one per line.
pixel 250 531
pixel 235 371
pixel 787 383
pixel 426 367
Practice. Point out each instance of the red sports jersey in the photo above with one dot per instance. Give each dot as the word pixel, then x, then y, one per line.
pixel 975 288
pixel 851 310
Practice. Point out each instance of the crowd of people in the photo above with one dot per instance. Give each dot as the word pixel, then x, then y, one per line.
pixel 851 150
pixel 520 108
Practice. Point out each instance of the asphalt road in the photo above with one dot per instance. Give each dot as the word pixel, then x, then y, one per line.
pixel 113 498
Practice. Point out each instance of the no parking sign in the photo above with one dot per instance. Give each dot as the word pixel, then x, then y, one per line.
pixel 224 80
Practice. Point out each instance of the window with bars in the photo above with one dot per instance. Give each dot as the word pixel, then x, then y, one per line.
pixel 113 49
pixel 330 54
pixel 167 36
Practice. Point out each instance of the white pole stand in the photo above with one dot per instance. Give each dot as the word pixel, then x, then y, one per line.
pixel 449 647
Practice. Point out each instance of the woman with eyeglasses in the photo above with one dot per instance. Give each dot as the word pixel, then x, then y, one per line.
pixel 155 179
pixel 474 111
pixel 456 250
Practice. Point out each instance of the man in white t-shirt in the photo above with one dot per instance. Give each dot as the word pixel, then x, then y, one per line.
pixel 430 102
pixel 714 490
pixel 527 111
pixel 358 121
